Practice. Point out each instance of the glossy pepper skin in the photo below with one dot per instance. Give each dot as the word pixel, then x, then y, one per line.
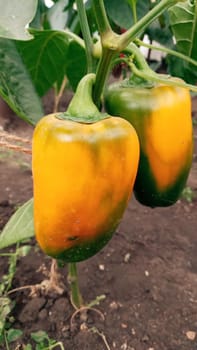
pixel 161 115
pixel 83 177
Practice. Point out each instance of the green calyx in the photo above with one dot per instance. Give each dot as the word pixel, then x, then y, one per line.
pixel 82 118
pixel 135 81
pixel 82 108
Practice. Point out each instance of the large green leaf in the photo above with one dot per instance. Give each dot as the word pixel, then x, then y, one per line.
pixel 183 19
pixel 19 227
pixel 16 86
pixel 40 21
pixel 76 66
pixel 45 58
pixel 57 15
pixel 121 13
pixel 182 69
pixel 160 31
pixel 15 15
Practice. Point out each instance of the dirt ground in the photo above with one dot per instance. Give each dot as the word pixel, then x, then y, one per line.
pixel 147 273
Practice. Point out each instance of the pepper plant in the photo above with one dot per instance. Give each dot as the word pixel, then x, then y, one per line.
pixel 85 162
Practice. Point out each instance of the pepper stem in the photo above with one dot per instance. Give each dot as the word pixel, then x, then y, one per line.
pixel 141 69
pixel 76 298
pixel 82 103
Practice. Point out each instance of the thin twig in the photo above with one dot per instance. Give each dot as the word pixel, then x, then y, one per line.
pixel 5 139
pixel 59 95
pixel 5 142
pixel 54 279
pixel 12 137
pixel 30 286
pixel 15 147
pixel 102 335
pixel 45 286
pixel 85 308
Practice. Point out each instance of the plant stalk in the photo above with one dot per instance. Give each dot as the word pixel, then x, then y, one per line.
pixel 101 17
pixel 76 298
pixel 109 48
pixel 86 34
pixel 132 4
pixel 137 57
pixel 131 34
pixel 113 43
pixel 75 37
pixel 102 74
pixel 167 51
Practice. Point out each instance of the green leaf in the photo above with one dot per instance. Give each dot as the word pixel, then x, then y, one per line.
pixel 5 308
pixel 183 19
pixel 15 16
pixel 40 21
pixel 16 86
pixel 182 69
pixel 57 15
pixel 39 336
pixel 27 347
pixel 121 13
pixel 160 32
pixel 45 58
pixel 76 66
pixel 19 227
pixel 23 250
pixel 13 334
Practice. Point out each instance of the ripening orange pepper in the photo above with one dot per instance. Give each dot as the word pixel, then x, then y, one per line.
pixel 161 116
pixel 83 175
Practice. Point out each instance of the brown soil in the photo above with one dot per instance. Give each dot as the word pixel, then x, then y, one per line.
pixel 147 272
